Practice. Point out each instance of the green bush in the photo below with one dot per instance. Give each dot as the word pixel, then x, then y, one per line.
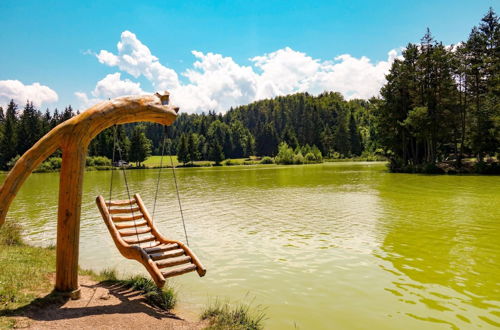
pixel 102 161
pixel 310 158
pixel 266 160
pixel 10 164
pixel 55 162
pixel 285 154
pixel 298 158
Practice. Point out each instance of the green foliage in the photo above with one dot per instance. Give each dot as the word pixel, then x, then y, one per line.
pixel 229 316
pixel 12 162
pixel 441 103
pixel 266 160
pixel 285 154
pixel 183 154
pixel 298 158
pixel 140 145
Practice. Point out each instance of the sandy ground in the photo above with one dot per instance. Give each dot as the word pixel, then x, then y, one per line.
pixel 102 307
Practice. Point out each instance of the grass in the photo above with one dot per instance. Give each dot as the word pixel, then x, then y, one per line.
pixel 25 272
pixel 26 275
pixel 229 316
pixel 154 161
pixel 163 298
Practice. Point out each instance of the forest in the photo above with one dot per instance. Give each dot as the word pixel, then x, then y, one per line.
pixel 440 105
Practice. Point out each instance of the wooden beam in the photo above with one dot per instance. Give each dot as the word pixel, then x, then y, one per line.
pixel 73 137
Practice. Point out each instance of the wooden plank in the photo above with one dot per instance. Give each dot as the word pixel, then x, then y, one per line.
pixel 135 231
pixel 166 254
pixel 173 262
pixel 121 202
pixel 130 224
pixel 140 240
pixel 125 210
pixel 179 271
pixel 130 218
pixel 161 248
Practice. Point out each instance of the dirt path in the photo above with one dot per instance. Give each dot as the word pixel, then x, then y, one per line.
pixel 101 307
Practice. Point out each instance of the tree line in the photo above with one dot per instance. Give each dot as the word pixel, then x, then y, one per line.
pixel 442 102
pixel 439 103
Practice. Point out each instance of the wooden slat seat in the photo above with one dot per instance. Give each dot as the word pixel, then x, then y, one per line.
pixel 121 203
pixel 137 241
pixel 130 218
pixel 179 271
pixel 135 231
pixel 160 248
pixel 166 254
pixel 161 253
pixel 173 261
pixel 131 224
pixel 124 210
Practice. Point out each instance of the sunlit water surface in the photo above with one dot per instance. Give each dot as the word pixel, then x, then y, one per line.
pixel 336 245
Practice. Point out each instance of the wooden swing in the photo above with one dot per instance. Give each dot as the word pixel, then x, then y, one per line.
pixel 130 226
pixel 121 219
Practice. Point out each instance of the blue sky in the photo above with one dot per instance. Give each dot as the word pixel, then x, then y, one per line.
pixel 55 43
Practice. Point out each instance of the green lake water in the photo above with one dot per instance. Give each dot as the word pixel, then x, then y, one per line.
pixel 329 246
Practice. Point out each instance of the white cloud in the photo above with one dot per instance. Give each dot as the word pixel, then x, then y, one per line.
pixel 110 86
pixel 216 82
pixel 20 93
pixel 136 59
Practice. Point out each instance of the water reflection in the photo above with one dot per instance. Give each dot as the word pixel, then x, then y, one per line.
pixel 442 246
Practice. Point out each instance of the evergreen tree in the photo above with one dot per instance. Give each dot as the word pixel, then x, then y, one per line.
pixel 183 150
pixel 140 145
pixel 8 143
pixel 355 140
pixel 29 128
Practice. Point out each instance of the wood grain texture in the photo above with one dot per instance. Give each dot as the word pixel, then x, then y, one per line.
pixel 73 137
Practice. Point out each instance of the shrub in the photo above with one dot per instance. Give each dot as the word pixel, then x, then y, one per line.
pixel 298 158
pixel 310 158
pixel 266 160
pixel 55 162
pixel 285 154
pixel 317 154
pixel 10 164
pixel 102 161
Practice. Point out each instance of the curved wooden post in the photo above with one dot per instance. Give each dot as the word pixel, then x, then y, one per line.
pixel 73 137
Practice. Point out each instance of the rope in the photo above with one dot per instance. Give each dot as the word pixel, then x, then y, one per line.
pixel 112 167
pixel 159 172
pixel 179 199
pixel 128 194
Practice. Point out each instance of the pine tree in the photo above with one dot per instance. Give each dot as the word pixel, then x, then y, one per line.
pixel 140 145
pixel 183 150
pixel 8 143
pixel 356 147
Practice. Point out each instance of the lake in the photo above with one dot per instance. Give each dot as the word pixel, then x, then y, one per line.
pixel 334 245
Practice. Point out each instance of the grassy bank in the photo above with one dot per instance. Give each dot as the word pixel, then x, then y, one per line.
pixel 27 271
pixel 25 274
pixel 233 316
